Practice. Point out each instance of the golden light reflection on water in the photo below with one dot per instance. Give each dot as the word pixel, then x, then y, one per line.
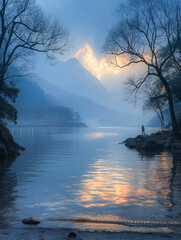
pixel 108 184
pixel 98 135
pixel 104 185
pixel 165 163
pixel 158 180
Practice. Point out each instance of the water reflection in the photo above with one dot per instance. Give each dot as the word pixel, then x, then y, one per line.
pixel 8 182
pixel 84 172
pixel 98 135
pixel 107 184
pixel 104 185
pixel 164 181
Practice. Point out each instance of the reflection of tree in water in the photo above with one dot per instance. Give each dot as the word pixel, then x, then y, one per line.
pixel 8 183
pixel 163 178
pixel 175 182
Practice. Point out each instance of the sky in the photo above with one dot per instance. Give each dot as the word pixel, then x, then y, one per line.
pixel 89 22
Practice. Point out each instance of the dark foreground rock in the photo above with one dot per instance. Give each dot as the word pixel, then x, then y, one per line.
pixel 38 233
pixel 155 141
pixel 31 221
pixel 8 147
pixel 72 235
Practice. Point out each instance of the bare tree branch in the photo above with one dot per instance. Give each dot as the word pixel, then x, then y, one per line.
pixel 24 30
pixel 148 32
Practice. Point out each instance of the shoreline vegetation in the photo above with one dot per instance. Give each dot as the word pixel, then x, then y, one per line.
pixel 162 140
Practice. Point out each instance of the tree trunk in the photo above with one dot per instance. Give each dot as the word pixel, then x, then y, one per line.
pixel 175 126
pixel 176 130
pixel 1 85
pixel 1 80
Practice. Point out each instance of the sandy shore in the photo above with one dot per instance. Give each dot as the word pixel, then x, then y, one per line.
pixel 62 234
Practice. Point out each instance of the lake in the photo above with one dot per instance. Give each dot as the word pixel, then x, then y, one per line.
pixel 82 178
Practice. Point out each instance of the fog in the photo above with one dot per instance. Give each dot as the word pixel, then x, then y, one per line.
pixel 82 80
pixel 67 87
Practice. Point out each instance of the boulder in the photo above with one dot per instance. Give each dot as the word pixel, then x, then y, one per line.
pixel 168 143
pixel 31 221
pixel 176 145
pixel 8 147
pixel 3 151
pixel 72 235
pixel 155 141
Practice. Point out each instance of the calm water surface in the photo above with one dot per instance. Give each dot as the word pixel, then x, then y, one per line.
pixel 84 174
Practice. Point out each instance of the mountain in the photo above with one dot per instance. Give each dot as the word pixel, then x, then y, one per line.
pixel 91 112
pixel 54 107
pixel 36 108
pixel 32 96
pixel 75 79
pixel 68 84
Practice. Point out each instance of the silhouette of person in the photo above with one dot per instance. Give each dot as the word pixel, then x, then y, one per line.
pixel 143 129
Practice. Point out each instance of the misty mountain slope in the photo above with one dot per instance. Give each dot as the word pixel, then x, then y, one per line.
pixel 38 97
pixel 39 109
pixel 32 96
pixel 74 78
pixel 90 111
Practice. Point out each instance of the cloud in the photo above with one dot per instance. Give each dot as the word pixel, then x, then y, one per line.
pixel 99 67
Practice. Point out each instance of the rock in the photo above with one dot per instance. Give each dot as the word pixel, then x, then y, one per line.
pixel 21 148
pixel 155 141
pixel 72 235
pixel 168 143
pixel 8 147
pixel 176 145
pixel 3 151
pixel 31 221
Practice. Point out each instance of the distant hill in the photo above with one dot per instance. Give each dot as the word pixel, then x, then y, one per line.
pixel 32 96
pixel 75 87
pixel 69 84
pixel 91 112
pixel 75 79
pixel 36 108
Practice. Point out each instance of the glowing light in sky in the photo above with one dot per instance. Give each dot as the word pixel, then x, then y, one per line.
pixel 98 67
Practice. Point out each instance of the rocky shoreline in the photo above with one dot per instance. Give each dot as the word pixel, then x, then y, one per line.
pixel 156 141
pixel 8 147
pixel 68 234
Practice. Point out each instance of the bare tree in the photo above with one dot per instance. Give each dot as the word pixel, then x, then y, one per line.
pixel 148 33
pixel 155 99
pixel 24 30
